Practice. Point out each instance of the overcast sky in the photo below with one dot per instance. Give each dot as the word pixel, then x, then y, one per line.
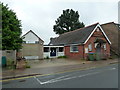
pixel 40 15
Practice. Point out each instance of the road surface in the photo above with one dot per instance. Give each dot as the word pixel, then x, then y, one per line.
pixel 102 77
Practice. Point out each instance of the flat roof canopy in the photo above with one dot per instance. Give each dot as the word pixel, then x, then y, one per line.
pixel 52 46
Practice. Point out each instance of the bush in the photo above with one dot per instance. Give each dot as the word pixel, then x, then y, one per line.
pixel 10 62
pixel 47 57
pixel 27 66
pixel 62 57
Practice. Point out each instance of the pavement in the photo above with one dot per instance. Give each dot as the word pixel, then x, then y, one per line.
pixel 46 67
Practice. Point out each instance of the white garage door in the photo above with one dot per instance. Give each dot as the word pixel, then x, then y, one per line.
pixel 31 57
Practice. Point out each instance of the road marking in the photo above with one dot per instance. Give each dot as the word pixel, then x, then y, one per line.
pixel 56 79
pixel 112 68
pixel 78 69
pixel 16 78
pixel 67 78
pixel 38 80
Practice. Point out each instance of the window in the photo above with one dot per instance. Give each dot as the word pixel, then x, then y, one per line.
pixel 98 30
pixel 60 49
pixel 46 49
pixel 104 46
pixel 90 47
pixel 36 41
pixel 86 50
pixel 96 45
pixel 74 48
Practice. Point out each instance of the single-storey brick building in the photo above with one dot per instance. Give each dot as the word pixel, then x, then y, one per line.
pixel 80 42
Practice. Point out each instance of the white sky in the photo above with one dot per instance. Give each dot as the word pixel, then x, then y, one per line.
pixel 40 15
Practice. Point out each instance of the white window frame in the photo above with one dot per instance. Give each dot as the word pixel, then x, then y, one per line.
pixel 97 29
pixel 96 45
pixel 71 48
pixel 36 42
pixel 90 47
pixel 104 46
pixel 86 50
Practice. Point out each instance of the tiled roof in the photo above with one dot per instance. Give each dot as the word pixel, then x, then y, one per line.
pixel 112 31
pixel 78 36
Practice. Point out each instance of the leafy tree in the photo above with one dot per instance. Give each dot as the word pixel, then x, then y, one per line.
pixel 11 29
pixel 68 21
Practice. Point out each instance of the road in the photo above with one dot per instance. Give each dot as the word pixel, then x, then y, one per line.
pixel 102 77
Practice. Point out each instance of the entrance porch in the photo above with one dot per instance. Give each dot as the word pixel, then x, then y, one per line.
pixel 53 51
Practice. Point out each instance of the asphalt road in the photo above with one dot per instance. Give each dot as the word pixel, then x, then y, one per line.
pixel 102 77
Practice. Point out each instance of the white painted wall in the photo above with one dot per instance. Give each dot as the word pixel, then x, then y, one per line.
pixel 30 38
pixel 60 53
pixel 45 54
pixel 31 57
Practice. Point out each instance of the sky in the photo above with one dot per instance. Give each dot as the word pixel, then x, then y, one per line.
pixel 40 15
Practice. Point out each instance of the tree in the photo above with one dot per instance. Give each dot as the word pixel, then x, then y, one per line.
pixel 68 21
pixel 11 29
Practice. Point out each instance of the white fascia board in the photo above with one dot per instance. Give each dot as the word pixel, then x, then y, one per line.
pixel 104 33
pixel 53 46
pixel 94 31
pixel 73 44
pixel 90 35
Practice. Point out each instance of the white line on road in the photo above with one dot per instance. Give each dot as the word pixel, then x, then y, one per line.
pixel 56 80
pixel 62 78
pixel 38 80
pixel 52 79
pixel 112 68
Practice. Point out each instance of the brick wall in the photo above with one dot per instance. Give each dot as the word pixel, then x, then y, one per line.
pixel 93 38
pixel 76 55
pixel 82 54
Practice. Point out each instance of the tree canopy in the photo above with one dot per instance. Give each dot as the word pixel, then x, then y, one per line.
pixel 11 29
pixel 67 21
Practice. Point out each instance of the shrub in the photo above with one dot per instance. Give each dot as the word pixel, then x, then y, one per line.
pixel 10 62
pixel 62 57
pixel 27 66
pixel 47 57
